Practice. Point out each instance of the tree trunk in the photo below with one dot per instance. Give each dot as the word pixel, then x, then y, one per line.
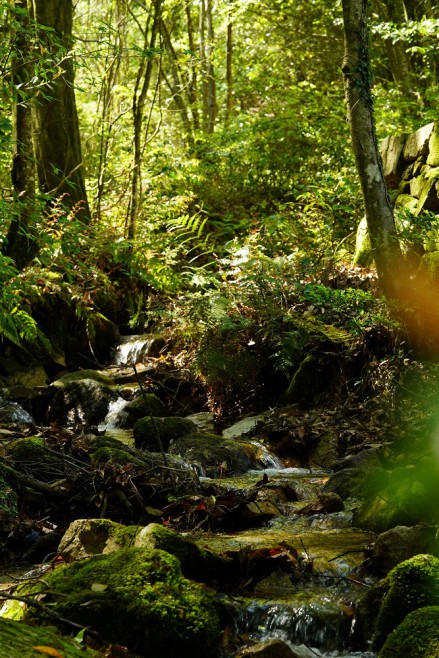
pixel 379 213
pixel 21 240
pixel 229 71
pixel 57 138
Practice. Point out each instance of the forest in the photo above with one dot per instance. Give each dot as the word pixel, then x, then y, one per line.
pixel 219 328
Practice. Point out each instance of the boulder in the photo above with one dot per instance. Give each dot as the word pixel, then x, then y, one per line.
pixel 137 598
pixel 214 454
pixel 363 256
pixel 196 563
pixel 204 420
pixel 86 537
pixel 80 402
pixel 148 431
pixel 412 584
pixel 433 146
pixel 245 427
pixel 391 152
pixel 399 544
pixel 328 503
pixel 416 637
pixel 141 407
pixel 417 143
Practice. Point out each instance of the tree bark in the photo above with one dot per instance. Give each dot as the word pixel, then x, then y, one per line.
pixel 379 212
pixel 21 241
pixel 56 127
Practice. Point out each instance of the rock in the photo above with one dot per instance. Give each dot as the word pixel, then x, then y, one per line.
pixel 169 429
pixel 311 379
pixel 35 400
pixel 80 402
pixel 273 649
pixel 196 563
pixel 137 598
pixel 346 483
pixel 11 412
pixel 327 503
pixel 86 537
pixel 412 584
pixel 245 427
pixel 78 375
pixel 204 420
pixel 406 202
pixel 363 256
pixel 214 454
pixel 417 143
pixel 416 637
pixel 141 407
pixel 257 512
pixel 399 544
pixel 365 459
pixel 433 155
pixel 391 152
pixel 19 640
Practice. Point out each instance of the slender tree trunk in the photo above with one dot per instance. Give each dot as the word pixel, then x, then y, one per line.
pixel 229 71
pixel 56 127
pixel 211 83
pixel 21 240
pixel 379 213
pixel 193 95
pixel 143 82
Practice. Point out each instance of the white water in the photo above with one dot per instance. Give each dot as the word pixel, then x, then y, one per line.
pixel 133 349
pixel 113 417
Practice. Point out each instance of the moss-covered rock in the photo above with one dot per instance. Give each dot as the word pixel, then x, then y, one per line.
pixel 138 598
pixel 78 375
pixel 19 640
pixel 363 256
pixel 196 563
pixel 213 452
pixel 416 637
pixel 412 584
pixel 169 428
pixel 141 407
pixel 311 379
pixel 86 537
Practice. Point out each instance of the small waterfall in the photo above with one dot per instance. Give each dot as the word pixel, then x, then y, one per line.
pixel 134 349
pixel 115 411
pixel 266 458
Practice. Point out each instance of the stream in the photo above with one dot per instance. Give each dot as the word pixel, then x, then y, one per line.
pixel 316 616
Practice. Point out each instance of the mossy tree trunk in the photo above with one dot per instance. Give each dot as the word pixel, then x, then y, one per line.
pixel 21 241
pixel 56 126
pixel 379 212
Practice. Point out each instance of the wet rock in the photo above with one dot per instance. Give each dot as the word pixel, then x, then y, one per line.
pixel 86 537
pixel 80 402
pixel 275 649
pixel 138 598
pixel 245 427
pixel 257 512
pixel 11 412
pixel 169 429
pixel 35 400
pixel 365 459
pixel 326 504
pixel 399 544
pixel 345 483
pixel 214 454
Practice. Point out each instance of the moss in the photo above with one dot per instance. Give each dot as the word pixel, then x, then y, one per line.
pixel 363 256
pixel 141 407
pixel 211 451
pixel 311 379
pixel 196 563
pixel 169 429
pixel 85 537
pixel 19 640
pixel 433 156
pixel 412 584
pixel 416 637
pixel 117 456
pixel 95 375
pixel 138 597
pixel 31 449
pixel 430 264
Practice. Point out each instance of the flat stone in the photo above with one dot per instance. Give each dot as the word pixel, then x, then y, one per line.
pixel 244 427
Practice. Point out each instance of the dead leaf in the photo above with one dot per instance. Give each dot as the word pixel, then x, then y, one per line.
pixel 48 651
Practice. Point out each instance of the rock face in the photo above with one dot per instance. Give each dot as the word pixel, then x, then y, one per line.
pixel 81 402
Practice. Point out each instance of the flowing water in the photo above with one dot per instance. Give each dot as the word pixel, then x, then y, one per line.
pixel 316 614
